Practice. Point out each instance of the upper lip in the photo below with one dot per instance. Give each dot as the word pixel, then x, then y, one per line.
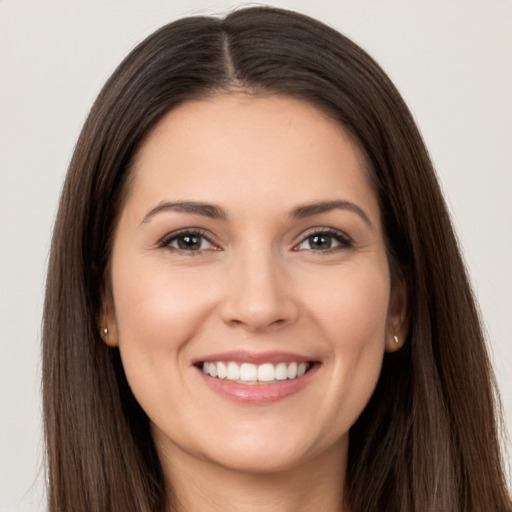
pixel 245 356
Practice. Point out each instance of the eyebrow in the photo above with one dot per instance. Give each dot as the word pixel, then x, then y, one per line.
pixel 215 212
pixel 192 207
pixel 309 210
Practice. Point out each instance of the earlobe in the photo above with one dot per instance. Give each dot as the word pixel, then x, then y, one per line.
pixel 107 323
pixel 394 343
pixel 398 317
pixel 108 337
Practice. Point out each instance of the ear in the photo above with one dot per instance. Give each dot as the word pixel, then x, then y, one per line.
pixel 398 316
pixel 108 323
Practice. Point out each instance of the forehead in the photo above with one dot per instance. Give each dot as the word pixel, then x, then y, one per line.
pixel 265 148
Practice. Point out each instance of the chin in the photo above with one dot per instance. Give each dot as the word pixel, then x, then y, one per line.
pixel 260 461
pixel 261 451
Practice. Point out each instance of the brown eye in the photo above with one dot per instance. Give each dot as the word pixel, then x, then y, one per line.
pixel 188 241
pixel 319 242
pixel 324 241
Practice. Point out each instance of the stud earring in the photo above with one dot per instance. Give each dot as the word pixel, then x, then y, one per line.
pixel 395 337
pixel 105 331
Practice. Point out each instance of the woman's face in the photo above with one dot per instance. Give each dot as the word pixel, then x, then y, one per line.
pixel 250 247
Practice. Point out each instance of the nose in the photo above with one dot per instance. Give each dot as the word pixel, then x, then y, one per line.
pixel 259 295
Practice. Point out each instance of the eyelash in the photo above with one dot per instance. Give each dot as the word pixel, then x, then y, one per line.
pixel 166 241
pixel 343 240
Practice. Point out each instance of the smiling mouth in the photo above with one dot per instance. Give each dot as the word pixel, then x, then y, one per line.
pixel 251 374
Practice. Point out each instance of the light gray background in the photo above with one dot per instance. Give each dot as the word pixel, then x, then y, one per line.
pixel 451 59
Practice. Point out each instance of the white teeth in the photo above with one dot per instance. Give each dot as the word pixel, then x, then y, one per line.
pixel 292 370
pixel 251 373
pixel 222 371
pixel 233 371
pixel 248 372
pixel 266 372
pixel 281 371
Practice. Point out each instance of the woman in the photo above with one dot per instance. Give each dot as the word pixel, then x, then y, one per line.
pixel 255 297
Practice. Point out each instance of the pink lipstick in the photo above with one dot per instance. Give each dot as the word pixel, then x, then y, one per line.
pixel 256 378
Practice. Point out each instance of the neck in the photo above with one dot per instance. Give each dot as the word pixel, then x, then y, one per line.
pixel 315 484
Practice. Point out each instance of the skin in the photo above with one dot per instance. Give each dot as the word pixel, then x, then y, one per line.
pixel 256 282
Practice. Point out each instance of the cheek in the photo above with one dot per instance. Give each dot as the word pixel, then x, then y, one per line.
pixel 156 305
pixel 352 306
pixel 352 313
pixel 357 325
pixel 157 313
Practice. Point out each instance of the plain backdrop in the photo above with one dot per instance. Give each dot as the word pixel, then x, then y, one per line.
pixel 451 60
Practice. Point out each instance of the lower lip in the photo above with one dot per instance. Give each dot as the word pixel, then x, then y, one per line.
pixel 258 393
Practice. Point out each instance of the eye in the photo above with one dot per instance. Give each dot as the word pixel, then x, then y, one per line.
pixel 190 241
pixel 324 240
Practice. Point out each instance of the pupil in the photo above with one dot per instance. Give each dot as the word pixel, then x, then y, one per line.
pixel 320 241
pixel 189 242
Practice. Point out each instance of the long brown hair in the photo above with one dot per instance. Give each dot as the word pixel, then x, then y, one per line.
pixel 428 439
